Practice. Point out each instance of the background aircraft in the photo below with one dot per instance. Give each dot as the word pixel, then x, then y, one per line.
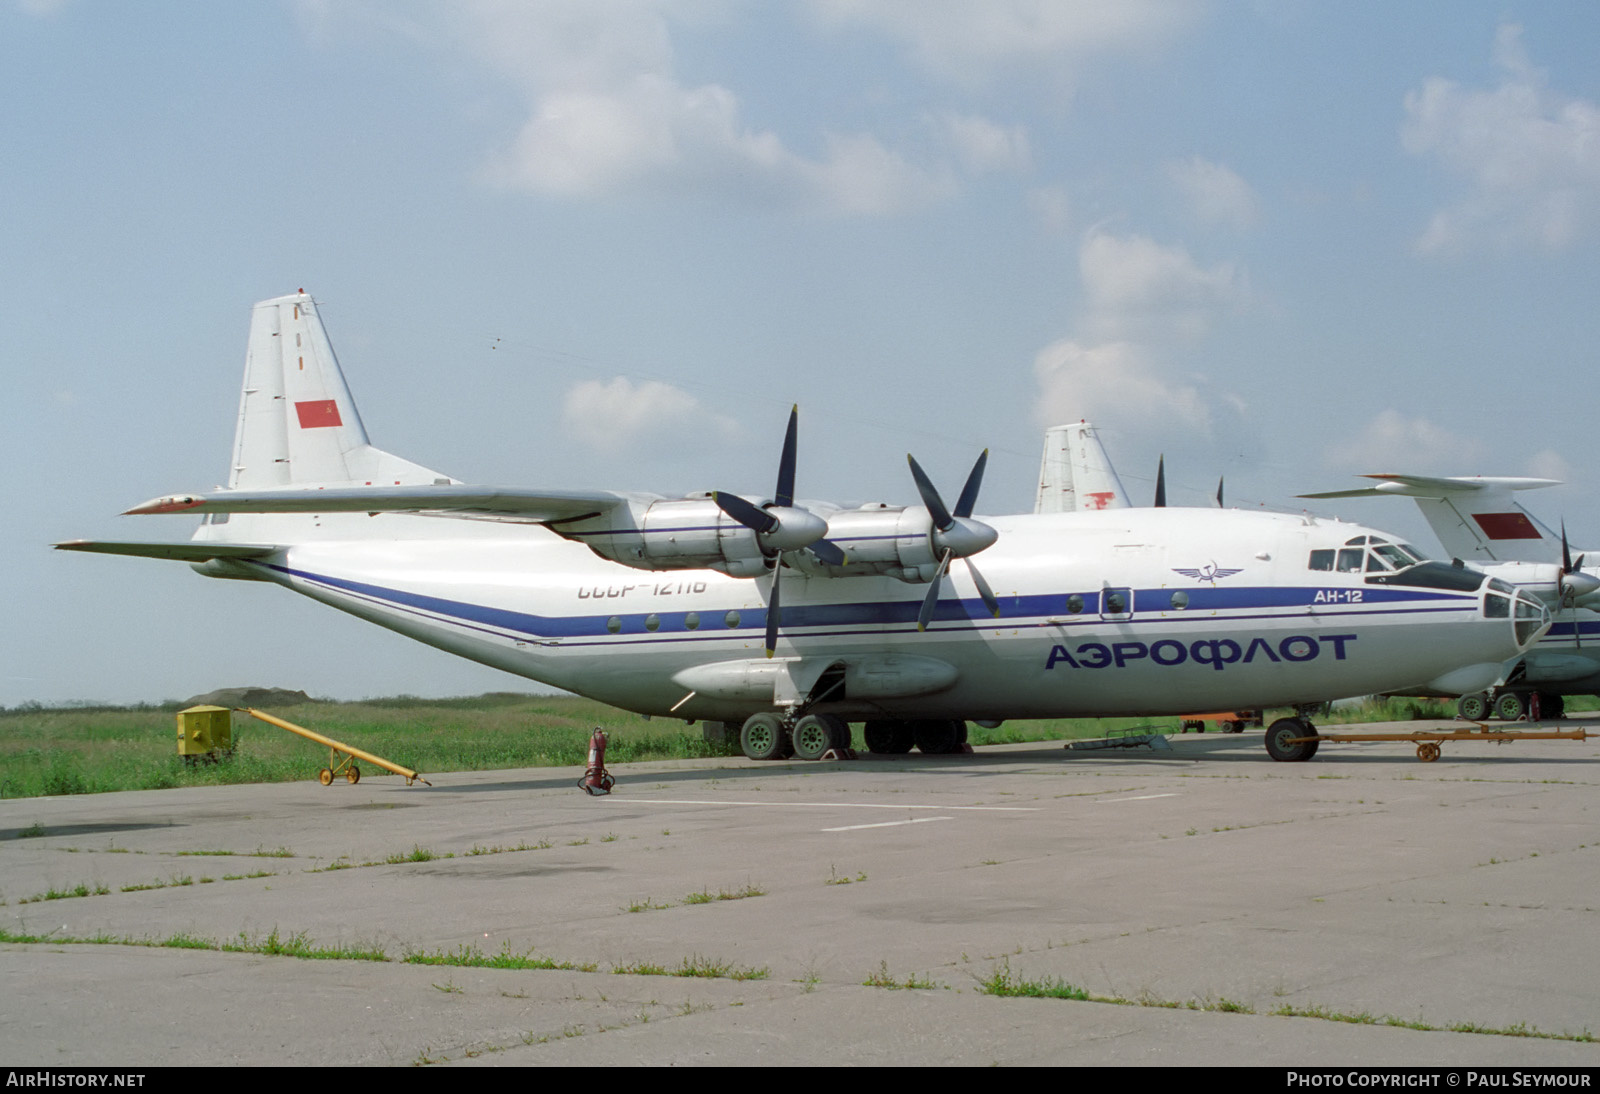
pixel 796 618
pixel 1477 519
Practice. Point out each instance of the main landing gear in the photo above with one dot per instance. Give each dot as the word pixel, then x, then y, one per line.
pixel 1291 740
pixel 771 736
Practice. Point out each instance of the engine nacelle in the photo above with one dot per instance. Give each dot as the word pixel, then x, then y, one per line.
pixel 683 534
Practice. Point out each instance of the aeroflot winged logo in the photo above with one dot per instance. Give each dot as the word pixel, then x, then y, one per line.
pixel 1209 573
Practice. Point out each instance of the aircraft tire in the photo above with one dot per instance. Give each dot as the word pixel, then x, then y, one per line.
pixel 815 734
pixel 1474 707
pixel 1279 734
pixel 887 738
pixel 1510 706
pixel 762 737
pixel 937 738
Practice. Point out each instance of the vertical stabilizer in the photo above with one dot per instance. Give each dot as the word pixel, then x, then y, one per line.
pixel 298 425
pixel 1076 474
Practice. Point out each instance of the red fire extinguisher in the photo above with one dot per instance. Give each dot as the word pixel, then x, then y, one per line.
pixel 596 779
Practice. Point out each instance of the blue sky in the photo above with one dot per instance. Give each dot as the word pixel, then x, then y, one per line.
pixel 575 244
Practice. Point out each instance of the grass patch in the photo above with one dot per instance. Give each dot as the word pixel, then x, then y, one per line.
pixel 883 979
pixel 1003 982
pixel 89 749
pixel 706 896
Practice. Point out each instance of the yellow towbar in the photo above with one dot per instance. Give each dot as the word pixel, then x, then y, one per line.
pixel 1427 740
pixel 336 764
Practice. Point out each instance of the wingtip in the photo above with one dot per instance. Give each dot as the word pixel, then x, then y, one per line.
pixel 175 503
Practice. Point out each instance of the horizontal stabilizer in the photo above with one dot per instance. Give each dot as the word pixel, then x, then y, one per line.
pixel 187 551
pixel 448 499
pixel 1421 486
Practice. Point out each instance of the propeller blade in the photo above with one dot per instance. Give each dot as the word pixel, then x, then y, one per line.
pixel 1219 494
pixel 969 492
pixel 930 497
pixel 753 517
pixel 829 554
pixel 931 601
pixel 1161 482
pixel 1566 552
pixel 784 494
pixel 774 613
pixel 984 591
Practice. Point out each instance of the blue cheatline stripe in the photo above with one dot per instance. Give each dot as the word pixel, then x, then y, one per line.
pixel 893 616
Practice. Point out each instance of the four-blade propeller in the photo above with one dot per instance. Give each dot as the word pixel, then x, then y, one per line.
pixel 955 535
pixel 780 526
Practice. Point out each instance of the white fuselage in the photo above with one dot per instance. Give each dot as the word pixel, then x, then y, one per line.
pixel 1256 628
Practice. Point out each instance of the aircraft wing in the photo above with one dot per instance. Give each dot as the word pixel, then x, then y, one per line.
pixel 453 499
pixel 187 551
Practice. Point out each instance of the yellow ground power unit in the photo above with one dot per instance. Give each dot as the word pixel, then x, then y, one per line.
pixel 205 732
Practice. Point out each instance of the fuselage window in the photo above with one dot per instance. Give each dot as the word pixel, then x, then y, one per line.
pixel 1074 604
pixel 652 622
pixel 1351 559
pixel 1321 560
pixel 692 621
pixel 731 619
pixel 614 624
pixel 1180 600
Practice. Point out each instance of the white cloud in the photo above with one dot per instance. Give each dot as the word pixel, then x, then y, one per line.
pixel 608 114
pixel 1530 156
pixel 1214 194
pixel 1395 443
pixel 653 135
pixel 1136 287
pixel 977 39
pixel 981 146
pixel 1113 383
pixel 623 415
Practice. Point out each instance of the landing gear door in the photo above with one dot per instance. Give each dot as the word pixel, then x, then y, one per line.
pixel 1116 604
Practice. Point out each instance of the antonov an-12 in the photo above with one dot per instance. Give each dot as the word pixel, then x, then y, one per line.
pixel 795 620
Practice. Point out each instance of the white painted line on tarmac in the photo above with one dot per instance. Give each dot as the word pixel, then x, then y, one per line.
pixel 1140 798
pixel 831 805
pixel 886 824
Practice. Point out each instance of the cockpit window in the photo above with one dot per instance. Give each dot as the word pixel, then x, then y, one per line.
pixel 1371 554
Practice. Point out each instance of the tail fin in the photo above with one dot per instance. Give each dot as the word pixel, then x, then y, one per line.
pixel 298 425
pixel 1474 517
pixel 1076 474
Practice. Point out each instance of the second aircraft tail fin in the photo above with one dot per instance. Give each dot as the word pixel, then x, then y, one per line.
pixel 1076 474
pixel 1475 517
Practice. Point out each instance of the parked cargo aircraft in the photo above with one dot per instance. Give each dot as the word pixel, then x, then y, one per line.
pixel 1477 519
pixel 795 619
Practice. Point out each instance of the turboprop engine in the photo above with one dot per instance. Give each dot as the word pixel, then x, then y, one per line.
pixel 742 538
